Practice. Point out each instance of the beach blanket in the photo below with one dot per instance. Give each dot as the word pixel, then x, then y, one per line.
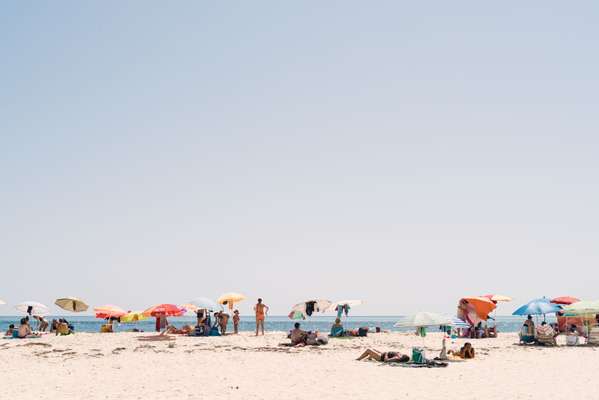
pixel 427 364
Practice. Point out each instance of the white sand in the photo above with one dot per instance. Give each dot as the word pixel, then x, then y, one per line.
pixel 91 366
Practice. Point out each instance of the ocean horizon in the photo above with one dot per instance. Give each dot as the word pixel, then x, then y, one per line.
pixel 85 323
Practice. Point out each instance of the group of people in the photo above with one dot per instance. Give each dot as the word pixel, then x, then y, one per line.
pixel 24 330
pixel 214 325
pixel 546 334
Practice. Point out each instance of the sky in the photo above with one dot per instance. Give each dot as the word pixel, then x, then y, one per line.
pixel 403 153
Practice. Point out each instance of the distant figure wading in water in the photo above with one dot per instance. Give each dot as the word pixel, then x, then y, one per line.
pixel 261 311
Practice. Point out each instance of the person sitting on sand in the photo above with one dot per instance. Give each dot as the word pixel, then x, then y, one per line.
pixel 337 329
pixel 236 320
pixel 220 320
pixel 24 329
pixel 572 338
pixel 387 357
pixel 530 325
pixel 297 335
pixel 10 330
pixel 466 352
pixel 42 324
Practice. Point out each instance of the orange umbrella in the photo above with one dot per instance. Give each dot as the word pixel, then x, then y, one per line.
pixel 481 305
pixel 167 310
pixel 109 311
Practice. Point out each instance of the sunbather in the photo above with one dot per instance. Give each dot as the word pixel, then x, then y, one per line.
pixel 25 330
pixel 466 352
pixel 185 330
pixel 389 356
pixel 530 325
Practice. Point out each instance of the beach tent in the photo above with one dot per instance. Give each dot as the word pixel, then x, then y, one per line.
pixel 109 311
pixel 33 308
pixel 230 299
pixel 72 304
pixel 475 309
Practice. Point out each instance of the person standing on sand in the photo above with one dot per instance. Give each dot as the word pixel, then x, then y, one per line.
pixel 261 311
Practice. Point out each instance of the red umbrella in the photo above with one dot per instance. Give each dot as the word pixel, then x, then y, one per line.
pixel 567 300
pixel 167 310
pixel 109 311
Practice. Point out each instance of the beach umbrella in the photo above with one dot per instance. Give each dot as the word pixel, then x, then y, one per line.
pixel 320 305
pixel 481 305
pixel 498 298
pixel 350 303
pixel 565 300
pixel 109 311
pixel 133 316
pixel 582 308
pixel 423 319
pixel 297 315
pixel 204 303
pixel 2 302
pixel 230 299
pixel 71 304
pixel 540 306
pixel 458 323
pixel 33 307
pixel 167 310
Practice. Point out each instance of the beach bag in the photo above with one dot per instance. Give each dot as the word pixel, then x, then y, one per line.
pixel 363 331
pixel 418 355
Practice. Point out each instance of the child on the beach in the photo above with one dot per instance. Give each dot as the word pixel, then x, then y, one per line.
pixel 236 321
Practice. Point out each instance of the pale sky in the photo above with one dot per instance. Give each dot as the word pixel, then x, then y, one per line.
pixel 398 152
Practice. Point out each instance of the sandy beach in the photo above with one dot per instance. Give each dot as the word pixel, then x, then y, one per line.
pixel 124 366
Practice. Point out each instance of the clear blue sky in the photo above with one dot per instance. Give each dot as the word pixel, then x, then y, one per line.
pixel 401 153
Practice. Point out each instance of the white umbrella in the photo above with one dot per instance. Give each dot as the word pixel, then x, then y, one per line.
pixel 2 302
pixel 34 307
pixel 320 305
pixel 423 319
pixel 71 304
pixel 351 303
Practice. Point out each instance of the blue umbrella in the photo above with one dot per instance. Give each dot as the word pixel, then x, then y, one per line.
pixel 538 307
pixel 206 303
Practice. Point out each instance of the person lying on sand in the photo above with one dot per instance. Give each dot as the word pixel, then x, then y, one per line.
pixel 466 352
pixel 172 329
pixel 387 357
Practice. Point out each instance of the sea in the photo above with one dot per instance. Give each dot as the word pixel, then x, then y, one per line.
pixel 273 323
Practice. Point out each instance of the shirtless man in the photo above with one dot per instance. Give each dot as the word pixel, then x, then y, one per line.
pixel 261 311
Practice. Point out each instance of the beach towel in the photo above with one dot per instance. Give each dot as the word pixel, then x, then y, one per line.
pixel 337 331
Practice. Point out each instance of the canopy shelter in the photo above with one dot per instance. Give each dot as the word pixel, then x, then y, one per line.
pixel 229 299
pixel 109 311
pixel 309 307
pixel 475 309
pixel 72 304
pixel 33 308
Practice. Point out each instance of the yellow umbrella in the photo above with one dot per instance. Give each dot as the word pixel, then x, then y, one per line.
pixel 190 307
pixel 133 316
pixel 230 299
pixel 71 304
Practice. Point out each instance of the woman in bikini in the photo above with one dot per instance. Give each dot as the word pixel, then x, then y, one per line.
pixel 389 356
